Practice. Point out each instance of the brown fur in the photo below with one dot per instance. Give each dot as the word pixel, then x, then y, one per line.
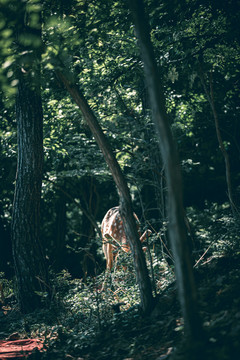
pixel 114 236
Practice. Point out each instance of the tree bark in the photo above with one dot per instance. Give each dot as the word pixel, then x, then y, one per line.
pixel 125 198
pixel 60 231
pixel 177 229
pixel 29 262
pixel 210 98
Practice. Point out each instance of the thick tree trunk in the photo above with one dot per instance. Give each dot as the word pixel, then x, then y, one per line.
pixel 28 257
pixel 31 273
pixel 177 229
pixel 125 198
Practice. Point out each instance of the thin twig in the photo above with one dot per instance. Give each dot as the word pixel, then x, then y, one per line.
pixel 203 254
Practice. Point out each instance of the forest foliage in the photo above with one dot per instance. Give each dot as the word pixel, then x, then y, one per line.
pixel 196 45
pixel 97 45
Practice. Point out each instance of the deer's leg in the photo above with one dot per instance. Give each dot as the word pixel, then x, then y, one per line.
pixel 109 257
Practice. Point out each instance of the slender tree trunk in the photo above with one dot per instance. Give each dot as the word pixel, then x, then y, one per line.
pixel 72 199
pixel 125 198
pixel 30 268
pixel 60 231
pixel 210 98
pixel 177 229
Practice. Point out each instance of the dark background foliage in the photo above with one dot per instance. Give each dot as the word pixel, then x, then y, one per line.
pixel 96 41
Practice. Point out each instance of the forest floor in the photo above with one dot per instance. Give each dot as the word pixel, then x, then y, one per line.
pixel 128 335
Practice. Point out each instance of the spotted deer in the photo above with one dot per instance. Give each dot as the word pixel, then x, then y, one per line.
pixel 114 237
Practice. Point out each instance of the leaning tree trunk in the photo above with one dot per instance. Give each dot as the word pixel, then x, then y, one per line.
pixel 29 262
pixel 177 230
pixel 126 210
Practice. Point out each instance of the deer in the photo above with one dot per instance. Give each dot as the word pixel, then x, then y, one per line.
pixel 114 237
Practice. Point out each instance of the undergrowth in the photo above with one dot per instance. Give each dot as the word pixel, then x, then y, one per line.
pixel 80 311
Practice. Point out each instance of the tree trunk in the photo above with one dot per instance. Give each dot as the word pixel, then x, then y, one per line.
pixel 29 262
pixel 210 98
pixel 177 229
pixel 125 198
pixel 72 199
pixel 60 231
